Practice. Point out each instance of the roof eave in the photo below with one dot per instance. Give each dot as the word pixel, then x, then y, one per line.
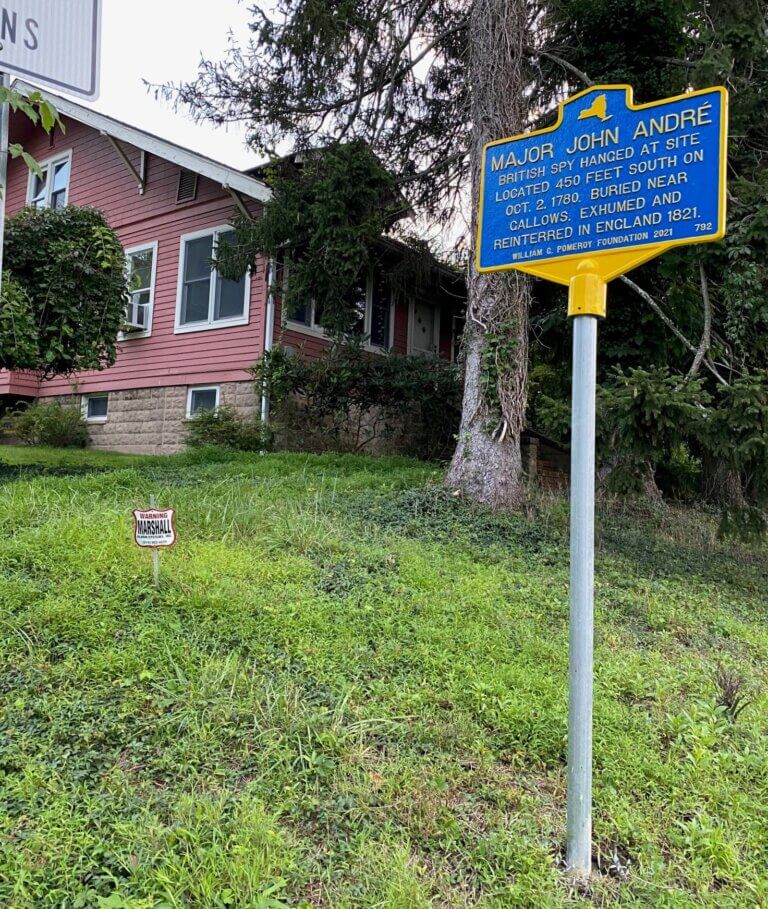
pixel 228 177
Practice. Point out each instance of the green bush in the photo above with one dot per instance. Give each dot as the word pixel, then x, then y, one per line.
pixel 54 424
pixel 226 428
pixel 348 399
pixel 69 268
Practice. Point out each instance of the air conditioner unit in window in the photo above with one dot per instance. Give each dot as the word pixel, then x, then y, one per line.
pixel 136 316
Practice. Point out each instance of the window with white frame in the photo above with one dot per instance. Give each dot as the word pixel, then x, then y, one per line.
pixel 203 399
pixel 206 298
pixel 50 188
pixel 371 304
pixel 141 262
pixel 95 408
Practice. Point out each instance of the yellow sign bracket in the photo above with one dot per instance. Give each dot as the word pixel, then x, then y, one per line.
pixel 587 291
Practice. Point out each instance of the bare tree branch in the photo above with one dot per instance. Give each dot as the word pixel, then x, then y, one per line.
pixel 706 335
pixel 647 298
pixel 582 76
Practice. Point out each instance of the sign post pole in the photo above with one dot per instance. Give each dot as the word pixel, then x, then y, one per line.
pixel 587 298
pixel 5 117
pixel 155 550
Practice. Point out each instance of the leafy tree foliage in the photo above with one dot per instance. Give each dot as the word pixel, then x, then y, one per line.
pixel 425 85
pixel 64 291
pixel 691 325
pixel 386 73
pixel 325 219
pixel 40 111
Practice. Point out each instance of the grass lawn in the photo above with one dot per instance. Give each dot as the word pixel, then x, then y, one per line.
pixel 350 691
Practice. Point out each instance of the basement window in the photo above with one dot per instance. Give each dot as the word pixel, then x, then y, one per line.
pixel 200 400
pixel 95 408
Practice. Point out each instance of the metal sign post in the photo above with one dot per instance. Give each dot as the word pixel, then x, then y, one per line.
pixel 587 300
pixel 5 118
pixel 608 187
pixel 155 549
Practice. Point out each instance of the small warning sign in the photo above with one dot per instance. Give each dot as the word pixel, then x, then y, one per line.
pixel 154 529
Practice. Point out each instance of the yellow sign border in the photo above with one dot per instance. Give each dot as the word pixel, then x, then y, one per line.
pixel 628 257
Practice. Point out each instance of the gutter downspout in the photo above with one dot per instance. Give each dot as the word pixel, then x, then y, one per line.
pixel 269 332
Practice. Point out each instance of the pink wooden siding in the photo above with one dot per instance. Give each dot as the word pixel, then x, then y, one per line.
pixel 100 179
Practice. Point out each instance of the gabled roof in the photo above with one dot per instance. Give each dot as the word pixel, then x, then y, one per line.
pixel 228 177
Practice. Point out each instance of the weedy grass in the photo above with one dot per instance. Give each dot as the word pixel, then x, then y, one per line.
pixel 350 691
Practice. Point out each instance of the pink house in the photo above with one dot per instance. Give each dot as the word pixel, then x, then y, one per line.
pixel 191 335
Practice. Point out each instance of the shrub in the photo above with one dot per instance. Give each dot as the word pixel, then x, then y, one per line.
pixel 54 424
pixel 69 267
pixel 226 428
pixel 350 398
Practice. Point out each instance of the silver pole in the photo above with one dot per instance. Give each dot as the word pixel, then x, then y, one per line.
pixel 5 117
pixel 155 551
pixel 579 852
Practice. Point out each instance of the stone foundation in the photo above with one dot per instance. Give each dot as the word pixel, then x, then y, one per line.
pixel 154 420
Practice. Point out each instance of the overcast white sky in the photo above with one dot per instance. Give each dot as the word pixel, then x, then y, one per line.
pixel 162 40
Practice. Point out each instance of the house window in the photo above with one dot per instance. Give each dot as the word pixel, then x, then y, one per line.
pixel 141 263
pixel 50 188
pixel 371 307
pixel 202 399
pixel 380 317
pixel 95 408
pixel 206 298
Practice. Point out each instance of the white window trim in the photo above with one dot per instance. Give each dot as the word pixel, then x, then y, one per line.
pixel 50 162
pixel 180 329
pixel 84 407
pixel 135 335
pixel 192 388
pixel 317 331
pixel 411 321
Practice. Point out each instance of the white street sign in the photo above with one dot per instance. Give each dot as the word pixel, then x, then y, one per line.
pixel 56 43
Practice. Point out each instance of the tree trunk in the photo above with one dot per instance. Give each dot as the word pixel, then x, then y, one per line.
pixel 487 464
pixel 722 484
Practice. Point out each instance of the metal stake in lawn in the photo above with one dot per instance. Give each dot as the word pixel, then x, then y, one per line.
pixel 156 550
pixel 586 302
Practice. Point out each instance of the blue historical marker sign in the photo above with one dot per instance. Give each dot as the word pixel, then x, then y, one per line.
pixel 609 176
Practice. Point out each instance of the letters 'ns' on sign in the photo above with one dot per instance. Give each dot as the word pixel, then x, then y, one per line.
pixel 154 529
pixel 54 43
pixel 611 182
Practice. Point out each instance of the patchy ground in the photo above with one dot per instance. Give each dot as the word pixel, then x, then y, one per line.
pixel 350 691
